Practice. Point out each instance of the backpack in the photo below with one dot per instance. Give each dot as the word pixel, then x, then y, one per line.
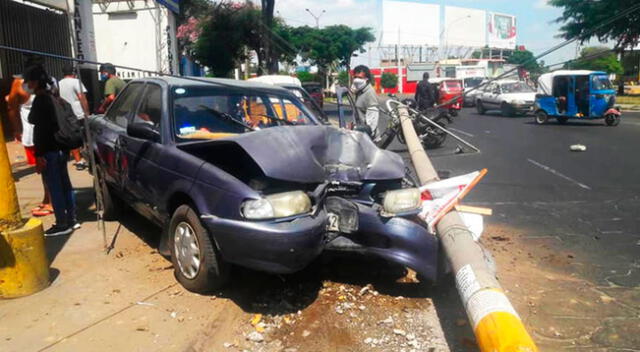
pixel 69 133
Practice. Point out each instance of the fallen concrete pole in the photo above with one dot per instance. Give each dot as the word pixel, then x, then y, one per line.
pixel 495 323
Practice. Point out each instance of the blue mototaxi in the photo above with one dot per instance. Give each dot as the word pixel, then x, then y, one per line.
pixel 576 94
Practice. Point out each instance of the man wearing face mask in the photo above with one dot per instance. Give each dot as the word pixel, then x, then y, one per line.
pixel 112 86
pixel 366 98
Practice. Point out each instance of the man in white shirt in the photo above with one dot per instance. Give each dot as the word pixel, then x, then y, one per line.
pixel 73 91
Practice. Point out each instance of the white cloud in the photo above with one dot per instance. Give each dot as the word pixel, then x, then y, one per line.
pixel 350 12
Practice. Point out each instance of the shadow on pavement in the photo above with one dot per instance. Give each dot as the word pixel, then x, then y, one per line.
pixel 452 317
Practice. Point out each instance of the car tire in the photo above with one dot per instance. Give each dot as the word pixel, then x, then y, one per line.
pixel 506 110
pixel 612 120
pixel 196 261
pixel 541 117
pixel 110 203
pixel 480 107
pixel 562 119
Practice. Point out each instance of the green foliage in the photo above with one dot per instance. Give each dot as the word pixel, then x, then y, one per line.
pixel 584 20
pixel 388 80
pixel 526 59
pixel 343 78
pixel 307 77
pixel 597 58
pixel 222 39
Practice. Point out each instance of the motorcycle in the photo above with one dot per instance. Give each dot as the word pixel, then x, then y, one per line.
pixel 431 136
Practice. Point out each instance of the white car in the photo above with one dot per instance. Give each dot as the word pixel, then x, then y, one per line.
pixel 510 97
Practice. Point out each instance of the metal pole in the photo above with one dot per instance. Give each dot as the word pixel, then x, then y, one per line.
pixel 495 322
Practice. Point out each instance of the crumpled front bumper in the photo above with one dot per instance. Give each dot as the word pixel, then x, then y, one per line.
pixel 289 246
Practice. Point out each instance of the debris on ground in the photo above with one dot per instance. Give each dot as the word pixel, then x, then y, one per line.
pixel 578 148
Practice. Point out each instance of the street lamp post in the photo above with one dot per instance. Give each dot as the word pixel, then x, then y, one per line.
pixel 317 18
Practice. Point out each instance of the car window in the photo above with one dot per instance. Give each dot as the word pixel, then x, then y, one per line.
pixel 124 104
pixel 150 110
pixel 516 87
pixel 204 113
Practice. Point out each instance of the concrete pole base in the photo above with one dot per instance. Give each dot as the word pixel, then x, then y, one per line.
pixel 24 266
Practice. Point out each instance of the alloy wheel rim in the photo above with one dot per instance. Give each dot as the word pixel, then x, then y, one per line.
pixel 187 250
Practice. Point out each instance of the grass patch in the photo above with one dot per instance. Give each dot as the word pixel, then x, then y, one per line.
pixel 628 99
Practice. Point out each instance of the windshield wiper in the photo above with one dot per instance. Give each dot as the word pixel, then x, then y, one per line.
pixel 227 117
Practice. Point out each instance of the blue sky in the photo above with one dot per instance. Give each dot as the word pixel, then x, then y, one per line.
pixel 536 28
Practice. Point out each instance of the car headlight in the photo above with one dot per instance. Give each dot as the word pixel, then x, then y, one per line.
pixel 402 200
pixel 279 205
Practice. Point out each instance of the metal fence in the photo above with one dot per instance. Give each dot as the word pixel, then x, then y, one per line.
pixel 35 28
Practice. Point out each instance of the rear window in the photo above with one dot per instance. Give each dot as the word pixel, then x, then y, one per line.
pixel 453 85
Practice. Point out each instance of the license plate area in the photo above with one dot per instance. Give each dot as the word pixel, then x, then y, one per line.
pixel 342 215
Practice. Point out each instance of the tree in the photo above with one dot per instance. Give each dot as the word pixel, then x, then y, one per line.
pixel 389 80
pixel 347 41
pixel 597 58
pixel 306 76
pixel 221 42
pixel 526 59
pixel 584 20
pixel 343 78
pixel 270 55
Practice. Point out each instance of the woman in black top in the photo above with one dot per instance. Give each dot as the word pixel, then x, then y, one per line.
pixel 51 157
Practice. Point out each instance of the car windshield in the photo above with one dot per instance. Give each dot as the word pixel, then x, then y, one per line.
pixel 600 82
pixel 203 113
pixel 516 87
pixel 472 82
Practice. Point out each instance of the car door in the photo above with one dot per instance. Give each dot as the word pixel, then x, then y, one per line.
pixel 143 178
pixel 493 95
pixel 107 133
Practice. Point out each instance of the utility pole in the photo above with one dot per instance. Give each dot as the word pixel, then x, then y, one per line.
pixel 317 18
pixel 400 90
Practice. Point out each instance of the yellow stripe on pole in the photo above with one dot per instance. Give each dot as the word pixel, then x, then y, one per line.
pixel 503 332
pixel 9 207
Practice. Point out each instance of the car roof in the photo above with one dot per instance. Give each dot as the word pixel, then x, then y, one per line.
pixel 281 80
pixel 213 82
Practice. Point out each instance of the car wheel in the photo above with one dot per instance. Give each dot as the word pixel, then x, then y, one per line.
pixel 480 107
pixel 196 262
pixel 110 203
pixel 612 120
pixel 453 112
pixel 562 119
pixel 506 110
pixel 541 117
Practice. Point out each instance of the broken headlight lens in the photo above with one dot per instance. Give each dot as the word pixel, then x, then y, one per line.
pixel 279 205
pixel 401 201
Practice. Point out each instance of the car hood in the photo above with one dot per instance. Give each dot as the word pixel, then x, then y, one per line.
pixel 315 154
pixel 520 96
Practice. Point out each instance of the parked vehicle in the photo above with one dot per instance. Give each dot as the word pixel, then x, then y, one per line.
pixel 293 84
pixel 242 173
pixel 470 91
pixel 576 94
pixel 509 96
pixel 448 92
pixel 315 91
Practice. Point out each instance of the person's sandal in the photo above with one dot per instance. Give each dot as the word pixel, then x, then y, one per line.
pixel 44 211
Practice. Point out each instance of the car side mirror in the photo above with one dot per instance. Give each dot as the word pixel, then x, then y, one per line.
pixel 143 130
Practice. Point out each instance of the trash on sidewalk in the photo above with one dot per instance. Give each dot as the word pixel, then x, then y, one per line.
pixel 578 148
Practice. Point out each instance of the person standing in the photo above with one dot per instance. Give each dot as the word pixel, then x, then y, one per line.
pixel 73 91
pixel 19 102
pixel 425 97
pixel 112 86
pixel 366 98
pixel 51 156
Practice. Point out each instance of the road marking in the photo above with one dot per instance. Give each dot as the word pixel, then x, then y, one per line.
pixel 462 132
pixel 546 168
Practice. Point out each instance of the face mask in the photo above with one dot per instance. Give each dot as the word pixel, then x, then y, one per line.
pixel 104 76
pixel 358 84
pixel 26 88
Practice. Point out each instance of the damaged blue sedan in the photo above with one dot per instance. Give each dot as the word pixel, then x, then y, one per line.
pixel 240 173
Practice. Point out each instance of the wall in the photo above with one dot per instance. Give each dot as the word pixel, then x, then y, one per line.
pixel 142 37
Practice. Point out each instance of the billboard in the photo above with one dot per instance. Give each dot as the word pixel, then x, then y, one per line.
pixel 501 31
pixel 464 27
pixel 410 23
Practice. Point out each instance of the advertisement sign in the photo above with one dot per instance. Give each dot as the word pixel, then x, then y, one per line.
pixel 501 31
pixel 85 41
pixel 410 23
pixel 464 27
